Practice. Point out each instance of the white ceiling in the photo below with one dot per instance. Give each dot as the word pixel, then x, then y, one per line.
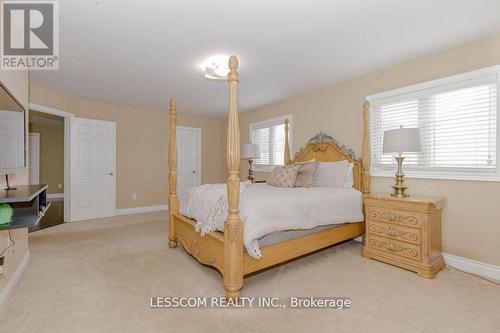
pixel 141 53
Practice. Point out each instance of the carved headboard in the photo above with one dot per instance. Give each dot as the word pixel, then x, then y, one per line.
pixel 324 148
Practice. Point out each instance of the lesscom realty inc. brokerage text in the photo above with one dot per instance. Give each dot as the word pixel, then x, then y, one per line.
pixel 337 303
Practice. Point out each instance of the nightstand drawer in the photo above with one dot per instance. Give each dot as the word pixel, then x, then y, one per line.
pixel 397 232
pixel 394 247
pixel 390 215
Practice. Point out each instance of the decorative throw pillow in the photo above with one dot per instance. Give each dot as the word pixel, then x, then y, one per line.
pixel 284 176
pixel 307 174
pixel 332 174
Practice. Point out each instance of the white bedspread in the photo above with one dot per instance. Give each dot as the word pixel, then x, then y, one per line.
pixel 266 209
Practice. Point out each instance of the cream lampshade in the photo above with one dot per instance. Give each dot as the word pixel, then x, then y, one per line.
pixel 401 140
pixel 250 151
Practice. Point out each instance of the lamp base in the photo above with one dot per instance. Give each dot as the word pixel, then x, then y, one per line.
pixel 8 188
pixel 399 192
pixel 250 177
pixel 399 187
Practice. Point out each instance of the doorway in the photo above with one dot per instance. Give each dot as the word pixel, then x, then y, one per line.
pixel 99 157
pixel 46 163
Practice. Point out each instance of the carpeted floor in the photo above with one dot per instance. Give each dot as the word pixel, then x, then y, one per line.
pixel 98 276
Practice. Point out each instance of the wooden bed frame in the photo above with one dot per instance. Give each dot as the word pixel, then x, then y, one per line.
pixel 225 251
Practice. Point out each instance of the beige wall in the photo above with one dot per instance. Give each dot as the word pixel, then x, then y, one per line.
pixel 142 143
pixel 13 258
pixel 472 219
pixel 51 151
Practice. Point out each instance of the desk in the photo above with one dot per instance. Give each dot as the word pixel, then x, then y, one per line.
pixel 29 204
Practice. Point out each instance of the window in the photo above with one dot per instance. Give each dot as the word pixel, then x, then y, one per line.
pixel 270 136
pixel 457 117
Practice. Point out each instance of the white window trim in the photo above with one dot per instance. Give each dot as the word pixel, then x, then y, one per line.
pixel 472 75
pixel 276 120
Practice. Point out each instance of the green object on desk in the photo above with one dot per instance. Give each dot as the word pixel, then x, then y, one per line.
pixel 5 214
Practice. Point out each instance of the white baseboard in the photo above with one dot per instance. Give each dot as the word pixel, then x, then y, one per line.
pixel 473 266
pixel 55 196
pixel 137 210
pixel 14 279
pixel 468 265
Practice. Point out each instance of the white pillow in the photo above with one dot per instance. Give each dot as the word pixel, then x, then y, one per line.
pixel 349 181
pixel 332 174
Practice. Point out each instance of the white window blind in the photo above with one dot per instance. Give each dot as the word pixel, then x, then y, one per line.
pixel 270 136
pixel 458 125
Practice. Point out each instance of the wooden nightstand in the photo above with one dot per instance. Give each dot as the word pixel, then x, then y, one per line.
pixel 404 232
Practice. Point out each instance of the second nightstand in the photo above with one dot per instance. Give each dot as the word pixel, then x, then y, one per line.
pixel 404 232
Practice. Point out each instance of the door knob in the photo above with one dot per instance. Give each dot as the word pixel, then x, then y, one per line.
pixel 193 172
pixel 110 174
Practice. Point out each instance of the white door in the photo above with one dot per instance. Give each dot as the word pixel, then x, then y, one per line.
pixel 34 160
pixel 188 157
pixel 93 165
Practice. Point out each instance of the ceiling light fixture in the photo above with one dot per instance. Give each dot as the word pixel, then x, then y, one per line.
pixel 216 67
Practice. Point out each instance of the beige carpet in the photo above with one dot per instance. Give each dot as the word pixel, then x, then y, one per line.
pixel 98 276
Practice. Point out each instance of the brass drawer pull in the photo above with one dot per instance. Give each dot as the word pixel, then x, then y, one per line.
pixel 390 247
pixel 392 216
pixel 391 232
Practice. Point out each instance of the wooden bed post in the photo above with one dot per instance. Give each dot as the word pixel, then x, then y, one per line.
pixel 173 201
pixel 287 143
pixel 367 151
pixel 233 227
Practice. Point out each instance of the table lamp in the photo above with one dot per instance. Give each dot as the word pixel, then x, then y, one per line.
pixel 399 141
pixel 250 151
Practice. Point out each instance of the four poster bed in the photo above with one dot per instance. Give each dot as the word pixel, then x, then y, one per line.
pixel 225 251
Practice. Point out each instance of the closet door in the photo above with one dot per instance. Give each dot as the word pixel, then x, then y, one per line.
pixel 34 160
pixel 188 158
pixel 93 165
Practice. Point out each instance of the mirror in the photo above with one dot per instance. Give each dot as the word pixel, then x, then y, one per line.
pixel 12 133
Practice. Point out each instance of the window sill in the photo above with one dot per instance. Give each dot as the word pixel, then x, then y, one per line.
pixel 440 176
